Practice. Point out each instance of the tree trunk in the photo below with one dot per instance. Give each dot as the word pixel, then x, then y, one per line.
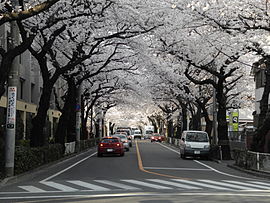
pixel 170 128
pixel 71 126
pixel 179 127
pixel 184 117
pixel 37 132
pixel 265 96
pixel 223 139
pixel 261 134
pixel 196 120
pixel 209 123
pixel 263 129
pixel 84 123
pixel 64 121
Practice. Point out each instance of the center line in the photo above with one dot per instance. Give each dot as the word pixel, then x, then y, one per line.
pixel 180 169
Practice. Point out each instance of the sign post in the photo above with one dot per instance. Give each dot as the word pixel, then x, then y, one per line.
pixel 13 80
pixel 10 130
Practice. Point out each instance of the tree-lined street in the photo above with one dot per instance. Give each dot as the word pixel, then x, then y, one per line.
pixel 148 168
pixel 75 72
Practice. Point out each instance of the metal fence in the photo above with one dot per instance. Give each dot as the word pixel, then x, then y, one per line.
pixel 252 160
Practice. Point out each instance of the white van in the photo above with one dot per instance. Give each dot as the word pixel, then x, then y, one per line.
pixel 194 143
pixel 137 134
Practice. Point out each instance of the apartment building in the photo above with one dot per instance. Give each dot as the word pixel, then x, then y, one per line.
pixel 28 93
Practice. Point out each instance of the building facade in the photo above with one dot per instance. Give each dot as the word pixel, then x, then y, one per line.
pixel 28 93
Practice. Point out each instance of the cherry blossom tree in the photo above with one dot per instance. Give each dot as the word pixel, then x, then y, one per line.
pixel 249 20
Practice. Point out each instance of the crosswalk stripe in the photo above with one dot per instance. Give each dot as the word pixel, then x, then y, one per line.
pixel 227 184
pixel 247 184
pixel 119 185
pixel 260 183
pixel 31 189
pixel 88 185
pixel 201 184
pixel 146 184
pixel 58 186
pixel 173 184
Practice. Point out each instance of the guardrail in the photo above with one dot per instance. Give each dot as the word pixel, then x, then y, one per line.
pixel 252 160
pixel 71 147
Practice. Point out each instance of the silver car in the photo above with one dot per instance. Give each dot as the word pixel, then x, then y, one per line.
pixel 123 139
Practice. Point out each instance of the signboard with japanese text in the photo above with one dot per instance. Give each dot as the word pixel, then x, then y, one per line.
pixel 11 107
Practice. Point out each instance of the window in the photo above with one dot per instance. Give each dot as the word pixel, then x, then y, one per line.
pixel 32 92
pixel 196 137
pixel 110 140
pixel 22 81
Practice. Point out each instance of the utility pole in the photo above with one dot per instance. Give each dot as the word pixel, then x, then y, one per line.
pixel 13 80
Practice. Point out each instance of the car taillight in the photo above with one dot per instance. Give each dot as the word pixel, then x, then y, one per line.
pixel 101 145
pixel 117 145
pixel 159 137
pixel 152 137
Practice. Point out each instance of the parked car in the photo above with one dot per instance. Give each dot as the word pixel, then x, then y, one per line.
pixel 137 134
pixel 123 139
pixel 110 145
pixel 157 137
pixel 194 143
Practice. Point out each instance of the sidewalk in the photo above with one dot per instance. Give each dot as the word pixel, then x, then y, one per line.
pixel 230 164
pixel 5 181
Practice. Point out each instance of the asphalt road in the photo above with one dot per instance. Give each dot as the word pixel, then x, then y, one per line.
pixel 149 172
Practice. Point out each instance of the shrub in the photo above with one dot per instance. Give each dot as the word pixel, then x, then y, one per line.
pixel 27 158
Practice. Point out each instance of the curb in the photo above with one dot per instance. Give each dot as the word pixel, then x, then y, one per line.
pixel 261 174
pixel 13 179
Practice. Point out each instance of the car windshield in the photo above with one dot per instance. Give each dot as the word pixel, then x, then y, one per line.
pixel 196 137
pixel 110 140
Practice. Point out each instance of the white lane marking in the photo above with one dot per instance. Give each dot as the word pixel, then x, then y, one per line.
pixel 180 169
pixel 31 188
pixel 173 184
pixel 220 194
pixel 247 184
pixel 169 148
pixel 222 173
pixel 201 184
pixel 88 185
pixel 59 186
pixel 227 185
pixel 141 183
pixel 119 185
pixel 60 172
pixel 209 167
pixel 260 183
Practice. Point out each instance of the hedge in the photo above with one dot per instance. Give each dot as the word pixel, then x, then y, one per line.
pixel 29 158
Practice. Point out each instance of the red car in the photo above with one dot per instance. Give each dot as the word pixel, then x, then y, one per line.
pixel 157 137
pixel 110 145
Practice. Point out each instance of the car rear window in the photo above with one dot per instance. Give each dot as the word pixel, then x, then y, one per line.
pixel 120 136
pixel 110 140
